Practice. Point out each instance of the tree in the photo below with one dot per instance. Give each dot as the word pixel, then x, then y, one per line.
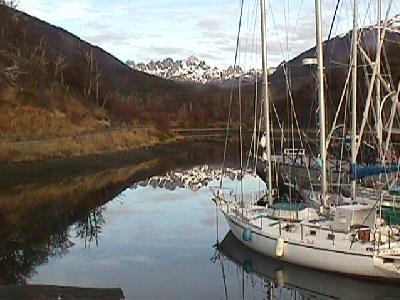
pixel 10 3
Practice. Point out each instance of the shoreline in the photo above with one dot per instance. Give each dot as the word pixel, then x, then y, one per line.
pixel 108 142
pixel 56 169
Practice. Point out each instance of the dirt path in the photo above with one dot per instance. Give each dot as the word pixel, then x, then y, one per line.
pixel 86 135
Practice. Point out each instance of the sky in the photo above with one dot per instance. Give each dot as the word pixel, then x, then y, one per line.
pixel 141 30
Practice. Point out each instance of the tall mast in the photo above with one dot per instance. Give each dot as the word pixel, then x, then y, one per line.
pixel 354 94
pixel 378 124
pixel 266 97
pixel 321 100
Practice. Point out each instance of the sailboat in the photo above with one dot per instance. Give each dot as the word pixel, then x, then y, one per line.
pixel 302 171
pixel 300 283
pixel 349 239
pixel 377 182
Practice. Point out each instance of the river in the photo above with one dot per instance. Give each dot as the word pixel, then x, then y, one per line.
pixel 121 232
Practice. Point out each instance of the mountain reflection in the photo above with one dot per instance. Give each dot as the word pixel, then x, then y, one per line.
pixel 193 179
pixel 44 217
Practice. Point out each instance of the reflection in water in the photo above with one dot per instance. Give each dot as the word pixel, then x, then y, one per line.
pixel 89 228
pixel 274 279
pixel 96 231
pixel 36 218
pixel 44 219
pixel 194 178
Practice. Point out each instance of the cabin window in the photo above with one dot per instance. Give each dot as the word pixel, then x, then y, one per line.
pixel 313 232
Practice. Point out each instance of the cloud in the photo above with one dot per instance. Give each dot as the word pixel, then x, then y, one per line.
pixel 203 55
pixel 165 50
pixel 96 25
pixel 55 12
pixel 110 37
pixel 209 24
pixel 156 29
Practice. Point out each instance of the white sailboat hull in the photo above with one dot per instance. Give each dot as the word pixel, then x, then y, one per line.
pixel 308 255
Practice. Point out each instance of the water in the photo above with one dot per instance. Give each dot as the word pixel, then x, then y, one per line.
pixel 153 243
pixel 111 229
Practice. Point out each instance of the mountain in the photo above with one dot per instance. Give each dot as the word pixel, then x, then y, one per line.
pixel 336 62
pixel 52 83
pixel 193 70
pixel 393 24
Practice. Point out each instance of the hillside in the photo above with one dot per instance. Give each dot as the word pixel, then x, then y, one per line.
pixel 55 85
pixel 337 56
pixel 52 83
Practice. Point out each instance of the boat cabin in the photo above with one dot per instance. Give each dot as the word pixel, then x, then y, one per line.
pixel 291 211
pixel 348 217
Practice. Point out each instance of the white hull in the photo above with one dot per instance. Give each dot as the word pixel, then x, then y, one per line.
pixel 309 283
pixel 306 254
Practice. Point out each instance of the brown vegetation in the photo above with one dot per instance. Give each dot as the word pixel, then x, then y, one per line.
pixel 35 217
pixel 54 85
pixel 95 143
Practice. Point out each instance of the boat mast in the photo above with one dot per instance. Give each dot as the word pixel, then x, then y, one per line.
pixel 266 98
pixel 321 100
pixel 378 124
pixel 354 95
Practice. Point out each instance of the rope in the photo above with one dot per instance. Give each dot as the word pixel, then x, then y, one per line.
pixel 333 21
pixel 240 141
pixel 231 93
pixel 216 220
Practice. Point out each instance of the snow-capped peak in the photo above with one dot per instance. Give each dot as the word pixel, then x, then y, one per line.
pixel 394 23
pixel 191 70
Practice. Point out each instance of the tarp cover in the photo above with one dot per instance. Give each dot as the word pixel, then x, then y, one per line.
pixel 359 171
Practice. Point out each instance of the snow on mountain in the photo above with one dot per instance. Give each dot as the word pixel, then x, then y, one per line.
pixel 192 70
pixel 394 24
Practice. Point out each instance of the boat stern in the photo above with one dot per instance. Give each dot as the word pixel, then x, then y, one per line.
pixel 388 261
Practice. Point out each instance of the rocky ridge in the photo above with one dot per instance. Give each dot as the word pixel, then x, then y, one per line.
pixel 192 70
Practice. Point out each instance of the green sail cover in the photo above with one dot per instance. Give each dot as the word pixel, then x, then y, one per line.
pixel 391 215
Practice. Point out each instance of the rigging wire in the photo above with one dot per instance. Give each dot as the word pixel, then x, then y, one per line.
pixel 240 142
pixel 231 93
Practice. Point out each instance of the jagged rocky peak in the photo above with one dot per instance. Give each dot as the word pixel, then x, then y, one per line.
pixel 192 61
pixel 168 62
pixel 394 23
pixel 191 69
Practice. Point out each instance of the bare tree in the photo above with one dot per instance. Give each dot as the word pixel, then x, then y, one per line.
pixel 97 79
pixel 59 66
pixel 10 3
pixel 93 76
pixel 89 64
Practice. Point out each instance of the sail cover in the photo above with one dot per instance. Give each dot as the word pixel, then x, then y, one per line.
pixel 360 172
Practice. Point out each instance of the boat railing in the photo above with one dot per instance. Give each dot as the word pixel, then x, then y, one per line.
pixel 377 238
pixel 382 242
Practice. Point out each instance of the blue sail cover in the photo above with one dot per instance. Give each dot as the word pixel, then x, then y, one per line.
pixel 360 172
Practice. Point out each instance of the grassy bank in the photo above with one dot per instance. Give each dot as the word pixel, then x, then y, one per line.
pixel 80 145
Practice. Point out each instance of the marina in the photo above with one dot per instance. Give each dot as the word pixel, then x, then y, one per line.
pixel 141 171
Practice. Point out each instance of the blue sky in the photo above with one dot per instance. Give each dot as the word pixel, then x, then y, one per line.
pixel 156 29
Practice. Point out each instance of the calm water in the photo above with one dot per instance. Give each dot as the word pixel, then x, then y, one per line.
pixel 114 230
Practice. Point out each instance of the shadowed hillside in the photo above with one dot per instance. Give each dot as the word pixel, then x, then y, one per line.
pixel 337 52
pixel 53 84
